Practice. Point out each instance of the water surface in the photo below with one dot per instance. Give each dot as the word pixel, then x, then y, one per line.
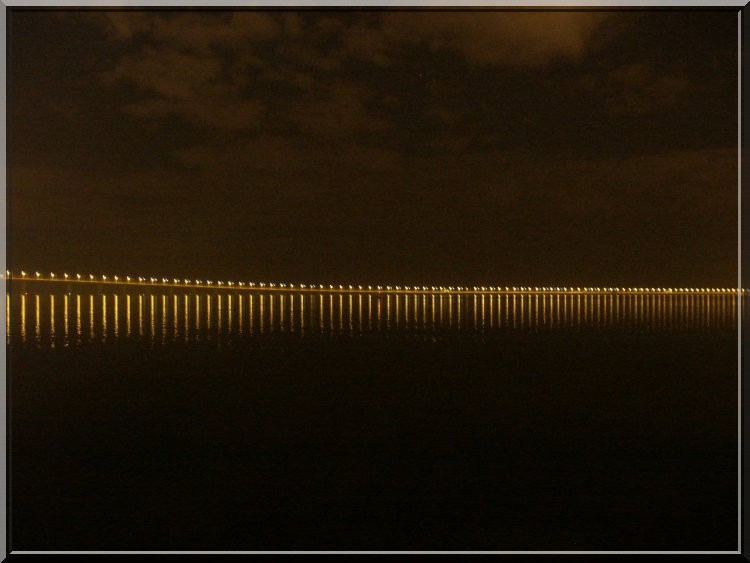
pixel 158 419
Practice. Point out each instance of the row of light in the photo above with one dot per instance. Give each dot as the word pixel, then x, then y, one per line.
pixel 185 281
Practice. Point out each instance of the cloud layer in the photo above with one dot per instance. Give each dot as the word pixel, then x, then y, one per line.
pixel 459 147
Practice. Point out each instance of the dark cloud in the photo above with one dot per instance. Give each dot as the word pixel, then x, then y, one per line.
pixel 638 88
pixel 487 38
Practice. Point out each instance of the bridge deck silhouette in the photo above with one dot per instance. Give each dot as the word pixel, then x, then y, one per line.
pixel 20 282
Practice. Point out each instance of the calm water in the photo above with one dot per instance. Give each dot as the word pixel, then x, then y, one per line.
pixel 213 421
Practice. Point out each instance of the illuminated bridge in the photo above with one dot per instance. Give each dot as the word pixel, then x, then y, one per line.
pixel 66 309
pixel 184 283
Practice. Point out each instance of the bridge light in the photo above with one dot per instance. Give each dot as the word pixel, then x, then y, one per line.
pixel 359 287
pixel 23 274
pixel 127 278
pixel 116 278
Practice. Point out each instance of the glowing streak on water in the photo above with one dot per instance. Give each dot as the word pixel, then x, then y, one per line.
pixel 52 320
pixel 330 312
pixel 197 322
pixel 229 314
pixel 208 315
pixel 23 317
pixel 261 317
pixel 152 318
pixel 359 311
pixel 163 316
pixel 270 313
pixel 291 313
pixel 65 318
pixel 174 317
pixel 239 313
pixel 656 311
pixel 78 318
pixel 91 317
pixel 218 314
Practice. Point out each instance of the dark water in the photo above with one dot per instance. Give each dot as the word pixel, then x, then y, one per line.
pixel 142 423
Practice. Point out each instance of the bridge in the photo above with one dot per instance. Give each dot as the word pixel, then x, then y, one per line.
pixel 22 279
pixel 75 307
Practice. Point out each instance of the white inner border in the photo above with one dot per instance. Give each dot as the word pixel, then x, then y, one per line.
pixel 381 4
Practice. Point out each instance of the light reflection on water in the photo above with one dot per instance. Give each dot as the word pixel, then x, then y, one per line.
pixel 176 316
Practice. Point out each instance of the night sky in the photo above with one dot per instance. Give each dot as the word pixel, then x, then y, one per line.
pixel 498 148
